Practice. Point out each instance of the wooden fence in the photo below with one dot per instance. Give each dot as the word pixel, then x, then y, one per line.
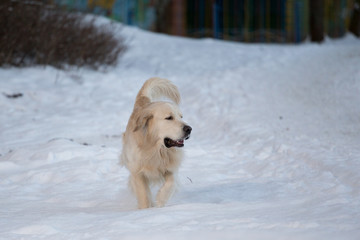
pixel 238 20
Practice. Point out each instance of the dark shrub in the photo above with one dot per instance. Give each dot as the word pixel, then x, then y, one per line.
pixel 33 32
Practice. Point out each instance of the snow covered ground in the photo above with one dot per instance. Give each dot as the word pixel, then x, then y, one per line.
pixel 274 154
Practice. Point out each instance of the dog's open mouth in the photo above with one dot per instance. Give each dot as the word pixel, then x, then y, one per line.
pixel 172 143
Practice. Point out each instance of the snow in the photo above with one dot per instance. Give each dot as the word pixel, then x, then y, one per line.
pixel 274 152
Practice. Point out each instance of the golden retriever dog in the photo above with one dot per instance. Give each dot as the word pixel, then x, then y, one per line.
pixel 151 143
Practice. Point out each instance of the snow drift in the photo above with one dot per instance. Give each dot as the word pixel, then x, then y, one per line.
pixel 274 152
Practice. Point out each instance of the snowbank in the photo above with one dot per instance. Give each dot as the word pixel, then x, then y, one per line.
pixel 274 152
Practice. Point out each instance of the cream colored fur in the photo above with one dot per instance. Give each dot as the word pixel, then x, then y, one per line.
pixel 144 153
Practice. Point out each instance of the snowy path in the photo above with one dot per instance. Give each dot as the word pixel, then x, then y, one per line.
pixel 274 153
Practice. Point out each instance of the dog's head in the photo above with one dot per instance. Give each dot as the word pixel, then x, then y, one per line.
pixel 163 121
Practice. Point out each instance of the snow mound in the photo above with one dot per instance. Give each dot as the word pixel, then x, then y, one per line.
pixel 274 152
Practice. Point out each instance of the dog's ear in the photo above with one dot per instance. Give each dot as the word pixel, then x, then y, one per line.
pixel 142 120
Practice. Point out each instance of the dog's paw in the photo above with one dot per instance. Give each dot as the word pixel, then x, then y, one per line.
pixel 160 204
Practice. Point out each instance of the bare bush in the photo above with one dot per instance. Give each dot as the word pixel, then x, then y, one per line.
pixel 36 33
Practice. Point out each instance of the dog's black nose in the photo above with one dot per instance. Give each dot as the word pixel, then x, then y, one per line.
pixel 187 129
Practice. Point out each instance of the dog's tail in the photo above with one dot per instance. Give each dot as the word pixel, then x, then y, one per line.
pixel 155 88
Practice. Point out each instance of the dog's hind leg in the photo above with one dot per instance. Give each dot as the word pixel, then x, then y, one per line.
pixel 140 186
pixel 166 190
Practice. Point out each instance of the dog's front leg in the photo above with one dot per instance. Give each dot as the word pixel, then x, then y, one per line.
pixel 140 186
pixel 166 190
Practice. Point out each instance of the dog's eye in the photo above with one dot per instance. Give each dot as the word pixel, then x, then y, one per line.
pixel 169 118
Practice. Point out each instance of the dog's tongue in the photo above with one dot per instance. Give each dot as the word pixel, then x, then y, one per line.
pixel 180 141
